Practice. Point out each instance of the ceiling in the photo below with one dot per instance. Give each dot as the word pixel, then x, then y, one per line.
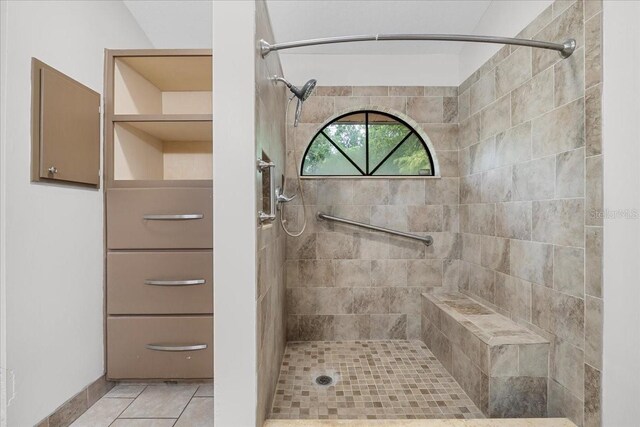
pixel 190 22
pixel 295 20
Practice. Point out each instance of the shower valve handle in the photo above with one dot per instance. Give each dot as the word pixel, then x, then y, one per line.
pixel 284 199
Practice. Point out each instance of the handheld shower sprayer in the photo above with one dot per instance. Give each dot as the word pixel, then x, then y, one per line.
pixel 301 93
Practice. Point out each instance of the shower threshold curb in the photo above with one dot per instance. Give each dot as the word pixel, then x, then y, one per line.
pixel 503 422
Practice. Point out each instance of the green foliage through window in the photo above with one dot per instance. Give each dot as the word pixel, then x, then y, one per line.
pixel 367 143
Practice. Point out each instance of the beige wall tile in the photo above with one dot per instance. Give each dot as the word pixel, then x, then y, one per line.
pixel 406 91
pixel 442 136
pixel 513 71
pixel 593 331
pixel 562 403
pixel 406 191
pixel 440 91
pixel 395 103
pixel 370 300
pixel 351 327
pixel 594 197
pixel 514 145
pixel 514 296
pixel 559 130
pixel 593 120
pixel 424 272
pixel 532 261
pixel 570 174
pixel 559 222
pixel 533 98
pixel 317 109
pixel 352 272
pixel 483 92
pixel 593 261
pixel 346 103
pixel 534 180
pixel 370 90
pixel 371 192
pixel 337 246
pixel 469 131
pixel 482 282
pixel 591 7
pixel 495 253
pixel 333 91
pixel 442 191
pixel 388 326
pixel 497 185
pixel 471 189
pixel 387 273
pixel 569 78
pixel 568 270
pixel 567 367
pixel 482 155
pixel 450 109
pixel 464 106
pixel 425 218
pixel 513 220
pixel 568 25
pixel 593 50
pixel 425 109
pixel 496 117
pixel 592 395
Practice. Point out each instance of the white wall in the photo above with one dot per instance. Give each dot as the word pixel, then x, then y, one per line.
pixel 621 133
pixel 3 304
pixel 372 70
pixel 502 18
pixel 54 234
pixel 234 199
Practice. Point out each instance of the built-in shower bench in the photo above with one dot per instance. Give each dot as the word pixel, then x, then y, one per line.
pixel 501 365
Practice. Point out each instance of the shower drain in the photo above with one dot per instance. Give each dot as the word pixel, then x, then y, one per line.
pixel 324 380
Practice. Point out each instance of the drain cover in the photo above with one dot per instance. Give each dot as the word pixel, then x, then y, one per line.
pixel 324 380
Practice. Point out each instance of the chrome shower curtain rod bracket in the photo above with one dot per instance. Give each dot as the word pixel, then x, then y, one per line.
pixel 564 49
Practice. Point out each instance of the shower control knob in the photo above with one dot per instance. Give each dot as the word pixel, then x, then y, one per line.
pixel 53 170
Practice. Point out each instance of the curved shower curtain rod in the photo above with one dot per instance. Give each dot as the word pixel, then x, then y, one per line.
pixel 564 49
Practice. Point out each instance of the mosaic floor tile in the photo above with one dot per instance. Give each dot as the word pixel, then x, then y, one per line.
pixel 391 379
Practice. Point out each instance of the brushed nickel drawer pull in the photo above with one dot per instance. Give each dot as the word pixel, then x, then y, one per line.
pixel 189 282
pixel 176 217
pixel 167 347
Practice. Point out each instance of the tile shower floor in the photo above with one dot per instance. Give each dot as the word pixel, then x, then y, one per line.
pixel 152 405
pixel 371 380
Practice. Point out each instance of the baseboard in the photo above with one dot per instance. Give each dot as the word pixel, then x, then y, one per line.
pixel 70 410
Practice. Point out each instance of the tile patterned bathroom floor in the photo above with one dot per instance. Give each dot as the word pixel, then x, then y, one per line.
pixel 152 405
pixel 389 379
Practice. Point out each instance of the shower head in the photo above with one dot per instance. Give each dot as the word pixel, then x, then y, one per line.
pixel 301 93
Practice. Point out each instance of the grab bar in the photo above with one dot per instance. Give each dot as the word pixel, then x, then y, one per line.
pixel 271 167
pixel 427 240
pixel 166 347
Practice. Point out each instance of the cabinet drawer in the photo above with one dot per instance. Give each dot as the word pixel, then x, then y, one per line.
pixel 160 282
pixel 180 218
pixel 177 347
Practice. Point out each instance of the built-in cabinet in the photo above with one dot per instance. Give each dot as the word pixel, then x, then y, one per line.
pixel 159 214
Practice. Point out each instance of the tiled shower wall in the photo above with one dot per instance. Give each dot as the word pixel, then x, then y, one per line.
pixel 270 292
pixel 530 194
pixel 347 283
pixel 521 158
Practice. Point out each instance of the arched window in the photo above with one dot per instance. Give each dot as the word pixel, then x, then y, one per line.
pixel 367 143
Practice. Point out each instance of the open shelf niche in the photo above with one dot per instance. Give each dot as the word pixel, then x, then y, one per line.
pixel 162 151
pixel 154 85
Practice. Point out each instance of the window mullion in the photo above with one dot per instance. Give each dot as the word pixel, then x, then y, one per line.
pixel 343 153
pixel 391 152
